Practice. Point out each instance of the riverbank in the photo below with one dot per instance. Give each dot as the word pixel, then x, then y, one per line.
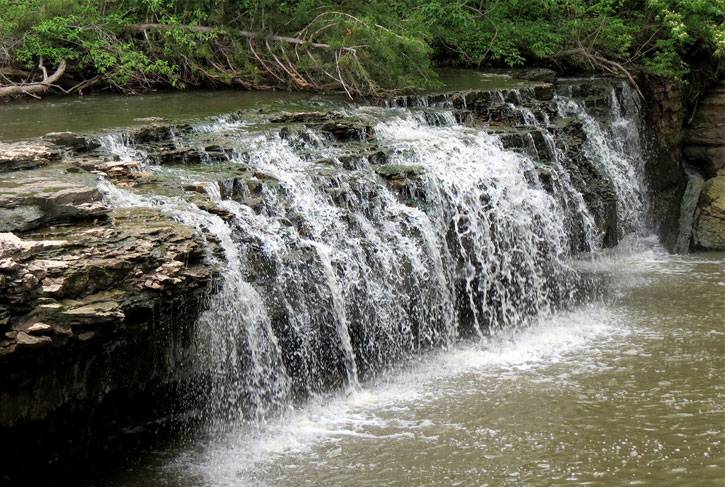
pixel 75 47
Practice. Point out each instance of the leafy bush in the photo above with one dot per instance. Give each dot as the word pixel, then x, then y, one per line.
pixel 364 48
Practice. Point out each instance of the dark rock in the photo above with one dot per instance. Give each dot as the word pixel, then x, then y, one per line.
pixel 665 116
pixel 396 172
pixel 160 133
pixel 704 141
pixel 347 130
pixel 537 74
pixel 305 117
pixel 74 142
pixel 544 92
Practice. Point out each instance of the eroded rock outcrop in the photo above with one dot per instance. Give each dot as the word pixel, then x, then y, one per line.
pixel 665 169
pixel 88 294
pixel 25 156
pixel 704 142
pixel 708 228
pixel 702 219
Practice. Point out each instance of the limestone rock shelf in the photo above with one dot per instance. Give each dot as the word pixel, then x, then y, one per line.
pixel 87 292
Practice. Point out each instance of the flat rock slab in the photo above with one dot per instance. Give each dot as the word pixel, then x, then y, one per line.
pixel 26 155
pixel 305 117
pixel 35 197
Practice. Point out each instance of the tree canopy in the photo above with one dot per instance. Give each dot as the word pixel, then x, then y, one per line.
pixel 362 48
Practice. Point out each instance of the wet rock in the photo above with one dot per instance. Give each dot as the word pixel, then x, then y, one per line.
pixel 160 133
pixel 704 141
pixel 587 177
pixel 400 175
pixel 537 74
pixel 353 161
pixel 347 130
pixel 217 210
pixel 544 92
pixel 37 197
pixel 69 140
pixel 25 155
pixel 708 231
pixel 263 176
pixel 664 166
pixel 124 173
pixel 202 188
pixel 305 117
pixel 188 156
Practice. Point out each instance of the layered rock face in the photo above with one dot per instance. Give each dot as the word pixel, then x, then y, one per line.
pixel 704 141
pixel 704 148
pixel 686 219
pixel 665 166
pixel 93 300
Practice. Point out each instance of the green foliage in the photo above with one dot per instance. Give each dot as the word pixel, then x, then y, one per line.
pixel 657 35
pixel 374 46
pixel 76 31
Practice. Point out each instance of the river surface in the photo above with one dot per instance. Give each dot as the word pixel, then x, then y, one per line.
pixel 627 391
pixel 23 119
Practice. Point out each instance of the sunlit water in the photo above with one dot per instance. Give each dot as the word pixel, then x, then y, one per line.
pixel 624 392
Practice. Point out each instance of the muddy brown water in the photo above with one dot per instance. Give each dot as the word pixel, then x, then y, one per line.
pixel 628 391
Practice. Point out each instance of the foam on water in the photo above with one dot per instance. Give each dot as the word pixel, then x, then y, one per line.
pixel 243 457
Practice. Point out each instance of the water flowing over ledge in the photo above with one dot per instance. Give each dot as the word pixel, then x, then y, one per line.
pixel 333 244
pixel 352 240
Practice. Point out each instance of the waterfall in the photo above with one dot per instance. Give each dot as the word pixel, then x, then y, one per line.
pixel 613 143
pixel 338 302
pixel 341 255
pixel 235 341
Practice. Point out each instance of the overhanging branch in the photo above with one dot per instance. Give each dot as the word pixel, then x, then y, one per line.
pixel 34 89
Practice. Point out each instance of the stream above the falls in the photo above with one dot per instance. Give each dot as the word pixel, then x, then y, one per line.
pixel 627 391
pixel 23 119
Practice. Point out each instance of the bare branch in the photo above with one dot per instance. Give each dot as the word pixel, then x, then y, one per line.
pixel 35 89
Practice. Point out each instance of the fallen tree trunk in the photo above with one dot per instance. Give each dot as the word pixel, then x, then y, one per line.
pixel 34 89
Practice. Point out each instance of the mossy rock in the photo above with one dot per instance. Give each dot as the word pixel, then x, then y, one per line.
pixel 394 171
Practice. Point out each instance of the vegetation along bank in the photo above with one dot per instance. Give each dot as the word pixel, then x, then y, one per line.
pixel 360 48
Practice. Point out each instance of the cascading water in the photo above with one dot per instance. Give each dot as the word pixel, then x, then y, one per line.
pixel 344 254
pixel 613 143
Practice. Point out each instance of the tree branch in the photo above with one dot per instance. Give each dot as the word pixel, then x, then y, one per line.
pixel 34 89
pixel 239 33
